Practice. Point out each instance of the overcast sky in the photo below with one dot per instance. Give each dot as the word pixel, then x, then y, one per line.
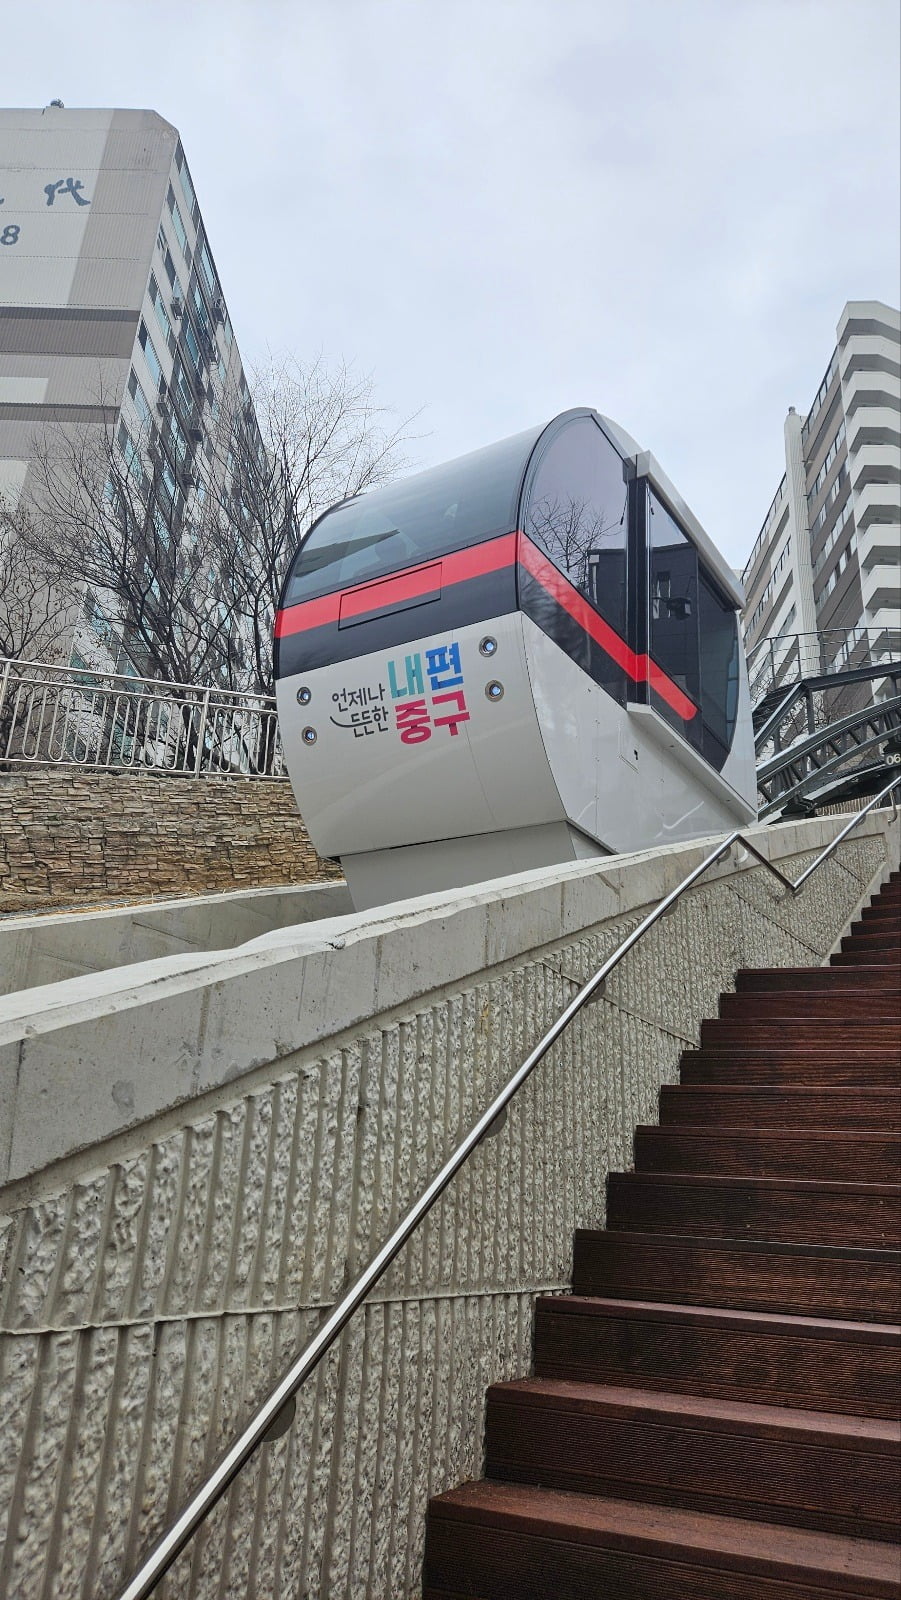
pixel 503 208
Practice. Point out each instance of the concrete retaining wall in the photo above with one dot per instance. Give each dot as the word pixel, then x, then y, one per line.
pixel 71 836
pixel 266 1116
pixel 47 948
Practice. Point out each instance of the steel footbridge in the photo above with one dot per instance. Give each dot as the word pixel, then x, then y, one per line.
pixel 827 718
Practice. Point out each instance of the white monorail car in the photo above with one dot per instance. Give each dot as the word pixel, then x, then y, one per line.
pixel 525 656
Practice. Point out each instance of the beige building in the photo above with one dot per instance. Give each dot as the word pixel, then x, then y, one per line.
pixel 111 310
pixel 828 557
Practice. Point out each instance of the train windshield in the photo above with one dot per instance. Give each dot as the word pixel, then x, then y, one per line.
pixel 450 507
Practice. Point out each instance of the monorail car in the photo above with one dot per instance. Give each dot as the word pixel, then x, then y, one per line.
pixel 525 656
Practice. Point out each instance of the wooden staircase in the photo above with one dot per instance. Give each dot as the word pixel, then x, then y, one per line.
pixel 714 1409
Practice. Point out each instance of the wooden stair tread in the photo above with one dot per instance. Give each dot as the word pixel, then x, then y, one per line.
pixel 857 1138
pixel 768 1358
pixel 858 958
pixel 763 1322
pixel 822 1470
pixel 828 1280
pixel 781 1422
pixel 784 1554
pixel 746 1065
pixel 780 1105
pixel 768 1151
pixel 760 980
pixel 826 1252
pixel 813 1210
pixel 763 1183
pixel 862 1032
pixel 850 1003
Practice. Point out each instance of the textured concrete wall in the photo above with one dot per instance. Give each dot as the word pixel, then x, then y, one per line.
pixel 155 1285
pixel 73 836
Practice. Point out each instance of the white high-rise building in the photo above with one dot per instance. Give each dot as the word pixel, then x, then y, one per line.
pixel 111 310
pixel 828 557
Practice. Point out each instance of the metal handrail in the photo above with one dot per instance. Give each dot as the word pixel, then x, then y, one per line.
pixel 833 641
pixel 60 716
pixel 266 1417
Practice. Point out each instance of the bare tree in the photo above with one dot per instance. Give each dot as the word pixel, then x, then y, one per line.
pixel 186 530
pixel 113 516
pixel 313 435
pixel 573 534
pixel 35 608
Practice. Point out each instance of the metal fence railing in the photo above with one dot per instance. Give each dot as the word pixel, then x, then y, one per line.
pixel 69 716
pixel 788 657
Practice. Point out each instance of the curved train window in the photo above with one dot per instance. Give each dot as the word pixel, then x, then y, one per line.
pixel 460 503
pixel 577 515
pixel 693 636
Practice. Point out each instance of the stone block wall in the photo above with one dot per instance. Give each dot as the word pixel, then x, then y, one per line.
pixel 70 836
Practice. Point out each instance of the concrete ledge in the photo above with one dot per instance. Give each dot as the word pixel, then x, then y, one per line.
pixel 52 946
pixel 110 1049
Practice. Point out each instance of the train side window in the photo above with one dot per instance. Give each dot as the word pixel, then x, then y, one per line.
pixel 576 514
pixel 445 508
pixel 673 597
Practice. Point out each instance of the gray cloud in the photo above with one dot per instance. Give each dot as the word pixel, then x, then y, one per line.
pixel 502 209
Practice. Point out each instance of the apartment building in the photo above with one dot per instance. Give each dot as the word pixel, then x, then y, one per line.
pixel 827 559
pixel 112 314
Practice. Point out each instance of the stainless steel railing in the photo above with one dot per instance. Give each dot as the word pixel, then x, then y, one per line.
pixel 787 657
pixel 77 717
pixel 276 1412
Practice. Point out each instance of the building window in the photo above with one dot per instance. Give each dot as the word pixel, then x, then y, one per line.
pixel 182 388
pixel 771 587
pixel 150 355
pixel 185 180
pixel 208 272
pixel 840 523
pixel 178 224
pixel 179 441
pixel 189 343
pixel 139 399
pixel 821 395
pixel 160 310
pixel 831 454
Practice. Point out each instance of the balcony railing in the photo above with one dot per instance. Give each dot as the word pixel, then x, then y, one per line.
pixel 73 717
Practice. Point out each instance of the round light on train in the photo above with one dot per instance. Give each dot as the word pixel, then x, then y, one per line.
pixel 304 696
pixel 309 736
pixel 494 690
pixel 487 646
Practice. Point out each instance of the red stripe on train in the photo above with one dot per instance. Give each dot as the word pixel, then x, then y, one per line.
pixel 475 562
pixel 640 668
pixel 455 568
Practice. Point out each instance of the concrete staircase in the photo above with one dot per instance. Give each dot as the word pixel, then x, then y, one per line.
pixel 714 1409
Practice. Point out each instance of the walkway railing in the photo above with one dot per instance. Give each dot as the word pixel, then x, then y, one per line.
pixel 69 716
pixel 790 656
pixel 276 1413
